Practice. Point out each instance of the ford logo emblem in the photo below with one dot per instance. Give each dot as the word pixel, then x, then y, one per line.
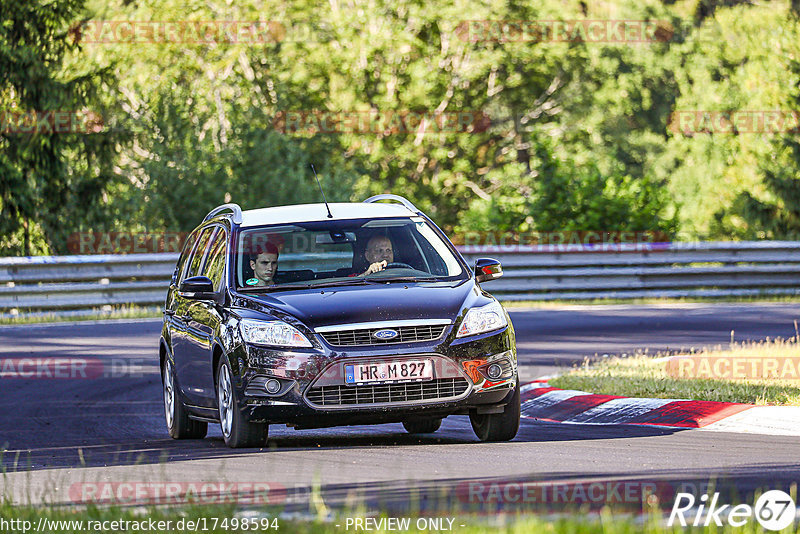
pixel 385 334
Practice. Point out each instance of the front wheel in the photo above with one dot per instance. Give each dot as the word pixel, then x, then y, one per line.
pixel 237 430
pixel 177 416
pixel 498 426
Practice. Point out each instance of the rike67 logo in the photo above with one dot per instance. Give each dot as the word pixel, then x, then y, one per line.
pixel 774 510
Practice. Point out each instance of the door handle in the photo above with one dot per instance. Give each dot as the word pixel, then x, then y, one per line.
pixel 169 312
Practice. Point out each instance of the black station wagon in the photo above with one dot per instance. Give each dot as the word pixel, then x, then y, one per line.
pixel 326 315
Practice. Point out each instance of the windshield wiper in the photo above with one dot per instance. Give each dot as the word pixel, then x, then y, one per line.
pixel 405 279
pixel 348 282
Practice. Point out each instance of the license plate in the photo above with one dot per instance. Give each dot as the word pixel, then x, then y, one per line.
pixel 388 372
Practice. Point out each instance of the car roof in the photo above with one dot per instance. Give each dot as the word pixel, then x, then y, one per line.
pixel 317 212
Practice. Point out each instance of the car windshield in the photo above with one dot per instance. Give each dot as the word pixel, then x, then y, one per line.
pixel 325 253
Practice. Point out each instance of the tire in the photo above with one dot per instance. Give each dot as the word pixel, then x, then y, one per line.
pixel 427 425
pixel 237 430
pixel 175 412
pixel 498 426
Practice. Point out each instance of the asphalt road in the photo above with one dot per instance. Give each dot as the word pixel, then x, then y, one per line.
pixel 59 432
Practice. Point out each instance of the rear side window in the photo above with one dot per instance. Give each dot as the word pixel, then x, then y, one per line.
pixel 215 263
pixel 193 264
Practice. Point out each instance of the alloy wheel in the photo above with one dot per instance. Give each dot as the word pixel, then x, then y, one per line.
pixel 169 394
pixel 224 391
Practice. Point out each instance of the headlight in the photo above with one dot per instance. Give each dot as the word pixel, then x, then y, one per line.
pixel 483 319
pixel 275 333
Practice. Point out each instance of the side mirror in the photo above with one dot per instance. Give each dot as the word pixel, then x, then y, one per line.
pixel 487 269
pixel 197 288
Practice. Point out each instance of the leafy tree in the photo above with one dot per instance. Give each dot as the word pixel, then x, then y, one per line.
pixel 563 196
pixel 203 118
pixel 50 182
pixel 776 215
pixel 735 61
pixel 579 134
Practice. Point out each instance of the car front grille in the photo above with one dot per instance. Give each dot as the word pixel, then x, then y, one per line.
pixel 407 392
pixel 362 337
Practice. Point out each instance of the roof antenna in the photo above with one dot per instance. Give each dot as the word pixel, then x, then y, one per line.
pixel 330 216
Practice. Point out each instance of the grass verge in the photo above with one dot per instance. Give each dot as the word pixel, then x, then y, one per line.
pixel 122 312
pixel 699 376
pixel 225 519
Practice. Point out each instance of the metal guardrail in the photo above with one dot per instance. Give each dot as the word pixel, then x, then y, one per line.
pixel 71 284
pixel 64 285
pixel 711 269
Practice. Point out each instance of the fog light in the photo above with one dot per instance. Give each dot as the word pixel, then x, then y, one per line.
pixel 272 386
pixel 494 371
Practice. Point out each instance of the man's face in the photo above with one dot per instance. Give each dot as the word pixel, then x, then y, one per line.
pixel 379 249
pixel 265 266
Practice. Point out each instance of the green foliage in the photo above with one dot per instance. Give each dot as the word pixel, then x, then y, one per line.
pixel 50 183
pixel 255 167
pixel 202 116
pixel 778 215
pixel 740 59
pixel 579 135
pixel 564 196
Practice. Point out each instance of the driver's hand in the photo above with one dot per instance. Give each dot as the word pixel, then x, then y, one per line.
pixel 375 267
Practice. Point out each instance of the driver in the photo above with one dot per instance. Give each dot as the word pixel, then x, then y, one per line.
pixel 379 253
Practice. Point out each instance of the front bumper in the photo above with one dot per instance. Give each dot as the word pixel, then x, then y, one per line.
pixel 314 394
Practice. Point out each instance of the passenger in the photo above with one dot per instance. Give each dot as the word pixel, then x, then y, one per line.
pixel 264 264
pixel 379 253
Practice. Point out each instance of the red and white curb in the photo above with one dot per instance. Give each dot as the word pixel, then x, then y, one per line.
pixel 545 403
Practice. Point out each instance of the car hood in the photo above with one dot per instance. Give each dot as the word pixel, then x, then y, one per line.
pixel 379 302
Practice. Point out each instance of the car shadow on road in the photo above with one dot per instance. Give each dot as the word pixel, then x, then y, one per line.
pixel 456 430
